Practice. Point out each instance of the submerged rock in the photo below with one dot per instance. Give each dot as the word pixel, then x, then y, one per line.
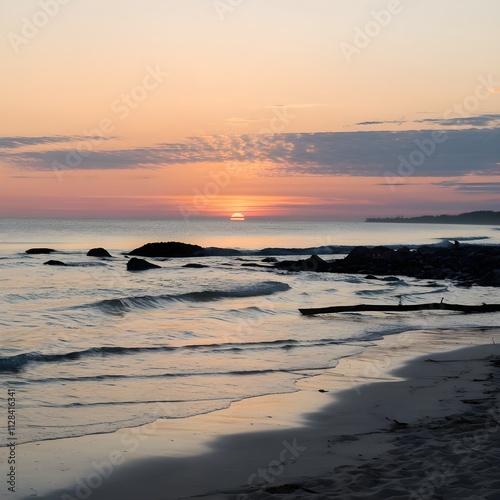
pixel 270 259
pixel 54 263
pixel 169 249
pixel 98 252
pixel 140 265
pixel 35 251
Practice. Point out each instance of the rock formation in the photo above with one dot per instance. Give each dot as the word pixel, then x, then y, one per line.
pixel 170 249
pixel 35 251
pixel 98 252
pixel 140 265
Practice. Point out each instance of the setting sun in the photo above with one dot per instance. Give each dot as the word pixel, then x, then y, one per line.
pixel 237 216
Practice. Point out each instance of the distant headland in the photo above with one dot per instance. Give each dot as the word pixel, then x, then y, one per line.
pixel 480 217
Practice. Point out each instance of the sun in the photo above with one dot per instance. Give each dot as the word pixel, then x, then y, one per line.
pixel 237 216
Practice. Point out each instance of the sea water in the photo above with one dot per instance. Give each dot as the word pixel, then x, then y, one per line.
pixel 91 347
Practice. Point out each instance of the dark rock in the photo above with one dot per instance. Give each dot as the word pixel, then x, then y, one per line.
pixel 54 263
pixel 270 259
pixel 425 250
pixel 35 251
pixel 467 264
pixel 195 266
pixel 316 263
pixel 170 249
pixel 404 251
pixel 313 263
pixel 491 279
pixel 382 252
pixel 140 265
pixel 357 255
pixel 98 252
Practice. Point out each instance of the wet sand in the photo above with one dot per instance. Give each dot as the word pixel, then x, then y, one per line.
pixel 416 415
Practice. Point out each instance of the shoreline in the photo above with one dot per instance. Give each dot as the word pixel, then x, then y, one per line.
pixel 344 417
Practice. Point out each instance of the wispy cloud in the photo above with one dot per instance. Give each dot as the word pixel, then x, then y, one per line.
pixel 19 142
pixel 469 151
pixel 472 187
pixel 386 122
pixel 484 120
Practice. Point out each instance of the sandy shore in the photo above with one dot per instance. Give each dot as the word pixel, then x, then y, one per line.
pixel 416 415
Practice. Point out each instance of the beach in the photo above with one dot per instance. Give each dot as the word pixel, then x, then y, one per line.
pixel 200 378
pixel 414 416
pixel 250 250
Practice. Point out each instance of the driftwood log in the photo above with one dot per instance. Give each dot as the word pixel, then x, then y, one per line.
pixel 439 306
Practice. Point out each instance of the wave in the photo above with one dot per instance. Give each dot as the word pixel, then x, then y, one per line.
pixel 86 264
pixel 127 304
pixel 168 375
pixel 19 361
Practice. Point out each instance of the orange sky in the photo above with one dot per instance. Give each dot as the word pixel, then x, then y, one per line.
pixel 289 108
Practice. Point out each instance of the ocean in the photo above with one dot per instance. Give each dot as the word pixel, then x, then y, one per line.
pixel 92 348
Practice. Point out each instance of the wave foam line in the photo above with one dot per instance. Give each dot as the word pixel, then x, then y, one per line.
pixel 120 306
pixel 18 362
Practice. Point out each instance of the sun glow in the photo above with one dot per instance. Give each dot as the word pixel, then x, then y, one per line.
pixel 237 216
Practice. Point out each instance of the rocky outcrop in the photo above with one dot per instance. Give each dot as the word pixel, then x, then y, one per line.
pixel 140 265
pixel 98 252
pixel 169 249
pixel 313 263
pixel 54 263
pixel 467 264
pixel 35 251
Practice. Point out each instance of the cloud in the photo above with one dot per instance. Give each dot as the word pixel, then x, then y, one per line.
pixel 471 187
pixel 486 120
pixel 371 153
pixel 392 122
pixel 19 142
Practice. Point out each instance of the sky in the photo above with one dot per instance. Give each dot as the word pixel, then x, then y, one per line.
pixel 277 109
